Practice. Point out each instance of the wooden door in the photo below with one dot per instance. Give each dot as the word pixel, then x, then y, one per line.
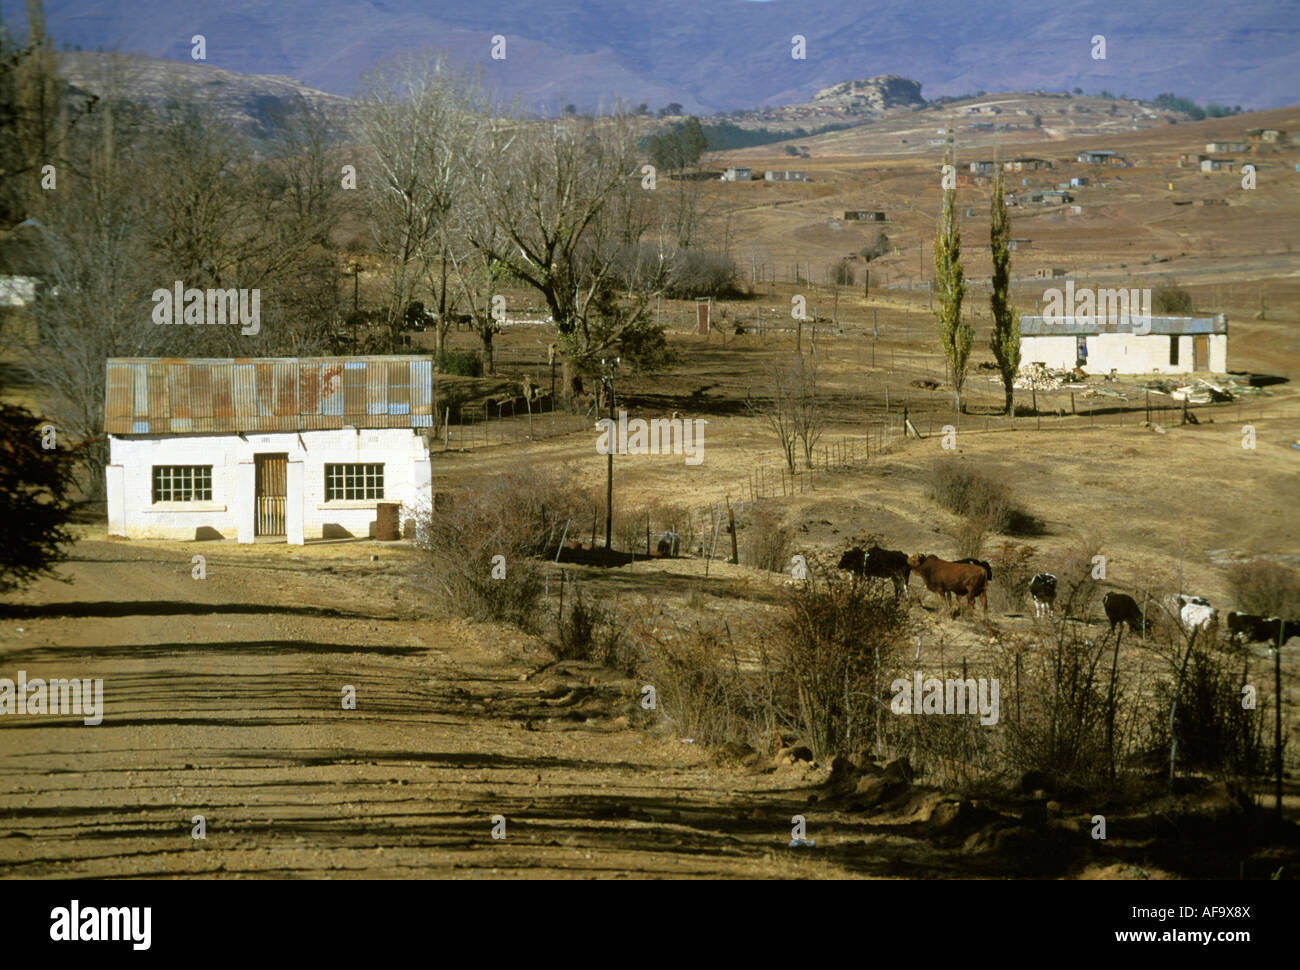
pixel 1201 353
pixel 272 472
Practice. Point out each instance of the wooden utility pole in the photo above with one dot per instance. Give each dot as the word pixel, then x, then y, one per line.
pixel 613 444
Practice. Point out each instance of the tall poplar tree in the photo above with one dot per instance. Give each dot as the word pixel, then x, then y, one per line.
pixel 1005 338
pixel 955 337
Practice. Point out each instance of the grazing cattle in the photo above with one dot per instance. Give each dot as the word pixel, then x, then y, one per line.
pixel 988 571
pixel 1249 628
pixel 1043 589
pixel 941 576
pixel 1122 608
pixel 1196 612
pixel 880 563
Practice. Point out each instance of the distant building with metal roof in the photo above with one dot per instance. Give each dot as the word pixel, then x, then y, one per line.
pixel 1100 157
pixel 1126 343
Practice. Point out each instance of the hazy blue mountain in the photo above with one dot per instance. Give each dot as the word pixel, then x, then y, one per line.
pixel 712 55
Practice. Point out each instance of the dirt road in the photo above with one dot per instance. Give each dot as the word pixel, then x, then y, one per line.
pixel 223 698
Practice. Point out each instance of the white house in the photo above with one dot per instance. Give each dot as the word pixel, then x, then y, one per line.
pixel 1172 345
pixel 295 448
pixel 736 173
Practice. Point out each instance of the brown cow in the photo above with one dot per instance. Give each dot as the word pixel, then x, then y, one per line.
pixel 946 577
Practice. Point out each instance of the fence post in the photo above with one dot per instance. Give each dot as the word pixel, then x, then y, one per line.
pixel 1277 719
pixel 1017 690
pixel 731 523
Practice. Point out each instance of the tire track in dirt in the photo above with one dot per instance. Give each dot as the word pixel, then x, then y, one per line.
pixel 237 716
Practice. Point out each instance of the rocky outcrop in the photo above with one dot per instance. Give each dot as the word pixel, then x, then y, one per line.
pixel 875 94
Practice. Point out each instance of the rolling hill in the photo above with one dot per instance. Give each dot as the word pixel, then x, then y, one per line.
pixel 728 54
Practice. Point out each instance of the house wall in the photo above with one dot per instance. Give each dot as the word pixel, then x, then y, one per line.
pixel 230 515
pixel 1123 353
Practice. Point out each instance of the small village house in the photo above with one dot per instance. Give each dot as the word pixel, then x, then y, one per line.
pixel 736 173
pixel 1026 164
pixel 1050 197
pixel 1100 157
pixel 1106 342
pixel 785 176
pixel 282 448
pixel 1218 165
pixel 1224 146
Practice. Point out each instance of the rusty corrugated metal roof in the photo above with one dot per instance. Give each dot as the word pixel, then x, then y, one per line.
pixel 185 396
pixel 1041 326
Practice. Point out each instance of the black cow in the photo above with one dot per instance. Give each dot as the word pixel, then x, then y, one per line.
pixel 1043 589
pixel 1122 608
pixel 988 570
pixel 882 563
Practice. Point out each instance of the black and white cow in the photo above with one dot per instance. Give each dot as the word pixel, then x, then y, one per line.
pixel 1043 589
pixel 1197 613
pixel 1250 628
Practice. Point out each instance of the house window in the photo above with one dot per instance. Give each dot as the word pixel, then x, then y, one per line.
pixel 350 482
pixel 182 483
pixel 1173 351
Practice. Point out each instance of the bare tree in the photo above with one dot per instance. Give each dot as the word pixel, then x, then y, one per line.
pixel 478 278
pixel 98 271
pixel 567 212
pixel 145 200
pixel 780 412
pixel 807 408
pixel 414 122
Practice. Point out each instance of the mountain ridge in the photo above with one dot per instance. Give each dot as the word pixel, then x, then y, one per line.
pixel 729 54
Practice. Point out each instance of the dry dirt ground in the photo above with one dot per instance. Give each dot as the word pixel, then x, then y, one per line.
pixel 223 699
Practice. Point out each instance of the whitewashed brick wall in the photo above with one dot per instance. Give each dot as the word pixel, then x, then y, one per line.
pixel 1123 353
pixel 132 512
